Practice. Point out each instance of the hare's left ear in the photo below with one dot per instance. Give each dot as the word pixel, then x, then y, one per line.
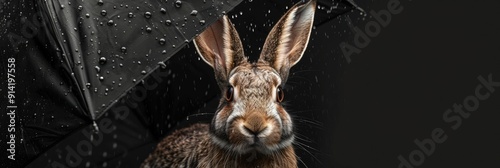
pixel 288 39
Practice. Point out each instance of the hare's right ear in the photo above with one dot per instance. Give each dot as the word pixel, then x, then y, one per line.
pixel 220 47
pixel 288 39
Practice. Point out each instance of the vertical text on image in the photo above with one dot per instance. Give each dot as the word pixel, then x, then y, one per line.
pixel 11 108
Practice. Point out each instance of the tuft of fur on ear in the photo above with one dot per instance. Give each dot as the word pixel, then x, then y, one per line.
pixel 220 47
pixel 288 39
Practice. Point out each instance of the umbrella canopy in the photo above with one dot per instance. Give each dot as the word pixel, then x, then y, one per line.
pixel 82 56
pixel 85 56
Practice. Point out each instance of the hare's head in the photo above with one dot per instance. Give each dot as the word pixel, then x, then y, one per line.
pixel 250 116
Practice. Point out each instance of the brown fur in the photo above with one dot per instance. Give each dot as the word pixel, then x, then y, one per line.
pixel 192 147
pixel 250 128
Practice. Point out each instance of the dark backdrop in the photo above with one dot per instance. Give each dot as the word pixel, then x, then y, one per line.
pixel 364 111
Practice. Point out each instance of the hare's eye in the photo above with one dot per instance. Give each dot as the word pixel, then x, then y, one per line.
pixel 279 94
pixel 229 93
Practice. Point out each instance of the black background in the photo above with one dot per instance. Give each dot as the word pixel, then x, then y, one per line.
pixel 397 89
pixel 367 112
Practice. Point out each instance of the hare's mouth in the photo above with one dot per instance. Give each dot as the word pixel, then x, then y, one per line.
pixel 254 144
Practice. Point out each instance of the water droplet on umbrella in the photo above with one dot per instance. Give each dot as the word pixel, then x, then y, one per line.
pixel 194 13
pixel 143 72
pixel 95 90
pixel 121 65
pixel 111 23
pixel 163 10
pixel 164 52
pixel 147 15
pixel 97 68
pixel 173 46
pixel 130 15
pixel 162 41
pixel 101 78
pixel 168 22
pixel 100 2
pixel 87 15
pixel 124 49
pixel 162 64
pixel 148 29
pixel 139 62
pixel 88 85
pixel 80 7
pixel 102 60
pixel 178 3
pixel 103 12
pixel 202 22
pixel 62 6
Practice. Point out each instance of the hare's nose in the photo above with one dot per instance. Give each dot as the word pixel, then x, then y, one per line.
pixel 255 124
pixel 254 132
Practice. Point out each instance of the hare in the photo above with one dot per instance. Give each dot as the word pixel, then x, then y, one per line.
pixel 250 127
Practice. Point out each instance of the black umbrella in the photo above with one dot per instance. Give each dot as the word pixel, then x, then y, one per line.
pixel 83 57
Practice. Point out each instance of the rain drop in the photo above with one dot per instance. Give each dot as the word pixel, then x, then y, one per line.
pixel 87 15
pixel 162 64
pixel 164 52
pixel 130 15
pixel 163 10
pixel 178 3
pixel 162 41
pixel 202 22
pixel 168 22
pixel 103 12
pixel 100 2
pixel 101 78
pixel 194 13
pixel 143 72
pixel 148 29
pixel 111 23
pixel 124 49
pixel 102 60
pixel 62 6
pixel 97 68
pixel 147 15
pixel 88 85
pixel 80 7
